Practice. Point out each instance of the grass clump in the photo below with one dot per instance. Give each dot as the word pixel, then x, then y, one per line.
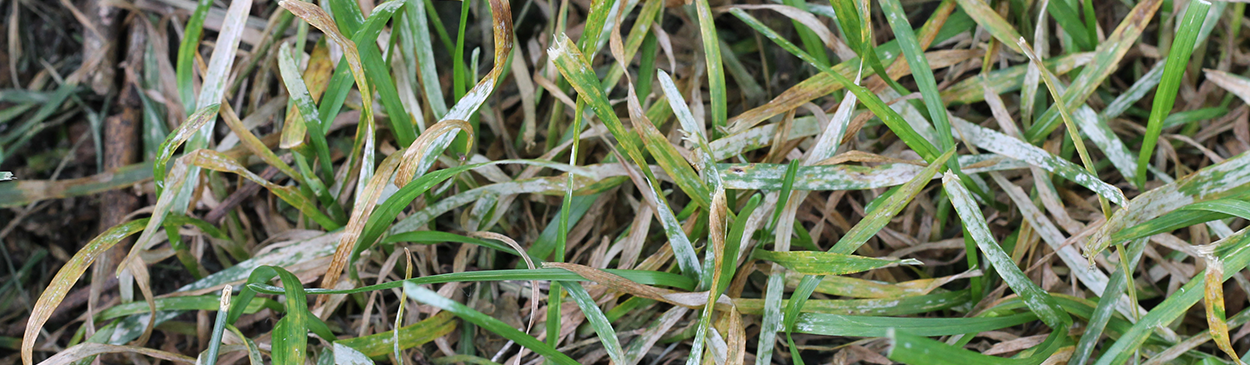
pixel 572 182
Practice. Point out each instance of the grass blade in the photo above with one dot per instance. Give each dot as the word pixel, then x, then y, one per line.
pixel 865 229
pixel 1165 95
pixel 187 50
pixel 715 69
pixel 65 279
pixel 974 223
pixel 863 326
pixel 911 349
pixel 410 336
pixel 486 322
pixel 999 143
pixel 219 328
pixel 572 64
pixel 1212 182
pixel 1235 255
pixel 307 108
pixel 825 263
pixel 870 100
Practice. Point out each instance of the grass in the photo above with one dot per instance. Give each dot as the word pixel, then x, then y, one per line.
pixel 646 182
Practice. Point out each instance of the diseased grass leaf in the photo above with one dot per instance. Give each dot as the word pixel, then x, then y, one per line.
pixel 825 263
pixel 974 224
pixel 410 336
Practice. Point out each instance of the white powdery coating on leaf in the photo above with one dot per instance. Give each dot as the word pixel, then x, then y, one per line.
pixel 844 177
pixel 1094 279
pixel 223 55
pixel 344 355
pixel 1002 144
pixel 760 137
pixel 1100 133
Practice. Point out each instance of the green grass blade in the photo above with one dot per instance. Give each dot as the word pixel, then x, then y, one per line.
pixel 734 241
pixel 1106 306
pixel 415 15
pixel 1186 216
pixel 594 315
pixel 219 328
pixel 347 15
pixel 813 43
pixel 855 19
pixel 921 72
pixel 573 65
pixel 486 322
pixel 644 277
pixel 459 75
pixel 430 237
pixel 1072 24
pixel 187 49
pixel 942 25
pixel 378 71
pixel 911 349
pixel 185 131
pixel 866 326
pixel 1222 180
pixel 693 129
pixel 290 335
pixel 199 302
pixel 410 336
pixel 1165 95
pixel 825 263
pixel 715 68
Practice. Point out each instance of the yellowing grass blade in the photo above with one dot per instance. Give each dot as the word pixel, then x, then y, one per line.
pixel 65 279
pixel 1213 300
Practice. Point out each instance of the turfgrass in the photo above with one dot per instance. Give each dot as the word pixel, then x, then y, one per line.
pixel 407 181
